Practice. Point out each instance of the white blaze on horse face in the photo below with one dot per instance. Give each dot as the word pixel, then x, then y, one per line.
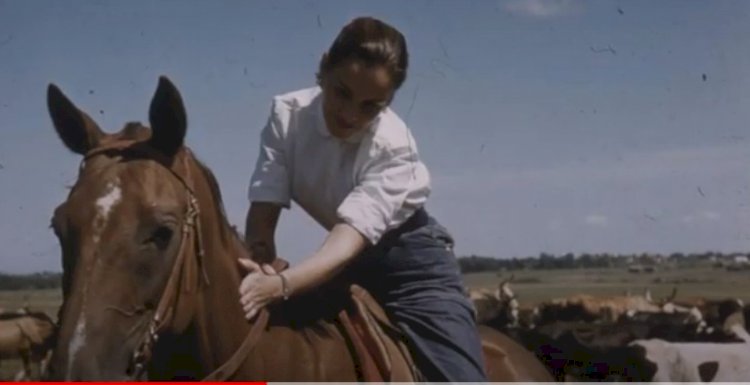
pixel 104 205
pixel 76 343
pixel 111 197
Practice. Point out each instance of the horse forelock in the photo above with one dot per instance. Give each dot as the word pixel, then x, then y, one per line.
pixel 135 131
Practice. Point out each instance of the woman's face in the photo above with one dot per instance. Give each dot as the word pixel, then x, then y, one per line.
pixel 354 93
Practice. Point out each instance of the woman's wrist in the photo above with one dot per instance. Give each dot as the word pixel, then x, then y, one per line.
pixel 286 290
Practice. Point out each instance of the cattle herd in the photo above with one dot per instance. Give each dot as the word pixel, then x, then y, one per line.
pixel 580 338
pixel 626 338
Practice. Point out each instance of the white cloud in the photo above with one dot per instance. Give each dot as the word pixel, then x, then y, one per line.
pixel 542 8
pixel 596 220
pixel 701 216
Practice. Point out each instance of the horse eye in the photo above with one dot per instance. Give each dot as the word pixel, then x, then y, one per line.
pixel 160 237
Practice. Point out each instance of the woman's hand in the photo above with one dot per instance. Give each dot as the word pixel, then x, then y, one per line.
pixel 260 287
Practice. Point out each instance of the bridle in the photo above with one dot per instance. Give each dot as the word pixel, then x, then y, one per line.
pixel 176 306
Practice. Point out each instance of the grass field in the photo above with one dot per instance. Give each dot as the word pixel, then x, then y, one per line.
pixel 530 287
pixel 38 300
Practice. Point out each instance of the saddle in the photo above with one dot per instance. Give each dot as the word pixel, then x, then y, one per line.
pixel 378 347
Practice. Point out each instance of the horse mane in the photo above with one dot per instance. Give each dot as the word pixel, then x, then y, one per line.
pixel 226 230
pixel 213 186
pixel 315 310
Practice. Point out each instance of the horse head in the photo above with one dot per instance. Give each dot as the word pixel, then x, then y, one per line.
pixel 131 238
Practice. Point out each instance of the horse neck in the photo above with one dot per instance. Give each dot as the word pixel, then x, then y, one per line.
pixel 219 320
pixel 220 326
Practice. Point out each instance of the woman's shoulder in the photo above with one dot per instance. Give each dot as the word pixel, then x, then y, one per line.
pixel 392 132
pixel 292 109
pixel 296 100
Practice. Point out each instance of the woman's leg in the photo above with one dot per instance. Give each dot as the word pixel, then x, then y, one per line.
pixel 415 276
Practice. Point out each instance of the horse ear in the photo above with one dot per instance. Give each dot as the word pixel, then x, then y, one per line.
pixel 168 118
pixel 76 129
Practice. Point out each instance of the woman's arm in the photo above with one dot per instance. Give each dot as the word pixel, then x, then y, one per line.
pixel 340 247
pixel 363 214
pixel 260 229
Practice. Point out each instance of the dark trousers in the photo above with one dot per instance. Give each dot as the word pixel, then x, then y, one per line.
pixel 414 274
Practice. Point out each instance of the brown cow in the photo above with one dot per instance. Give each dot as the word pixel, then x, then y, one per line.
pixel 28 337
pixel 585 307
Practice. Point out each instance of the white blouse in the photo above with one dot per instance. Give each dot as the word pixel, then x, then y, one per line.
pixel 374 180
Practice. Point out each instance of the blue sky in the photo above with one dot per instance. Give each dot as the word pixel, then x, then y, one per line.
pixel 548 126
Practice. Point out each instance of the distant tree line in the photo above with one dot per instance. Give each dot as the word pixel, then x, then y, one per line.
pixel 545 261
pixel 472 264
pixel 43 280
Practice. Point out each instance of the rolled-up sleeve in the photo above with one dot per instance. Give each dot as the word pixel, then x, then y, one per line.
pixel 270 181
pixel 380 193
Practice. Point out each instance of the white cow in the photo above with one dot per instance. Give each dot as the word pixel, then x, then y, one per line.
pixel 697 361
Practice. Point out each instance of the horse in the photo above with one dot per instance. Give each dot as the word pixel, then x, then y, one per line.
pixel 150 273
pixel 27 336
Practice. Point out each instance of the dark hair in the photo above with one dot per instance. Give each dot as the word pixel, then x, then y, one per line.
pixel 372 41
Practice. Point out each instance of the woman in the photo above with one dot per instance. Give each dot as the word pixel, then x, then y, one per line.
pixel 341 154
